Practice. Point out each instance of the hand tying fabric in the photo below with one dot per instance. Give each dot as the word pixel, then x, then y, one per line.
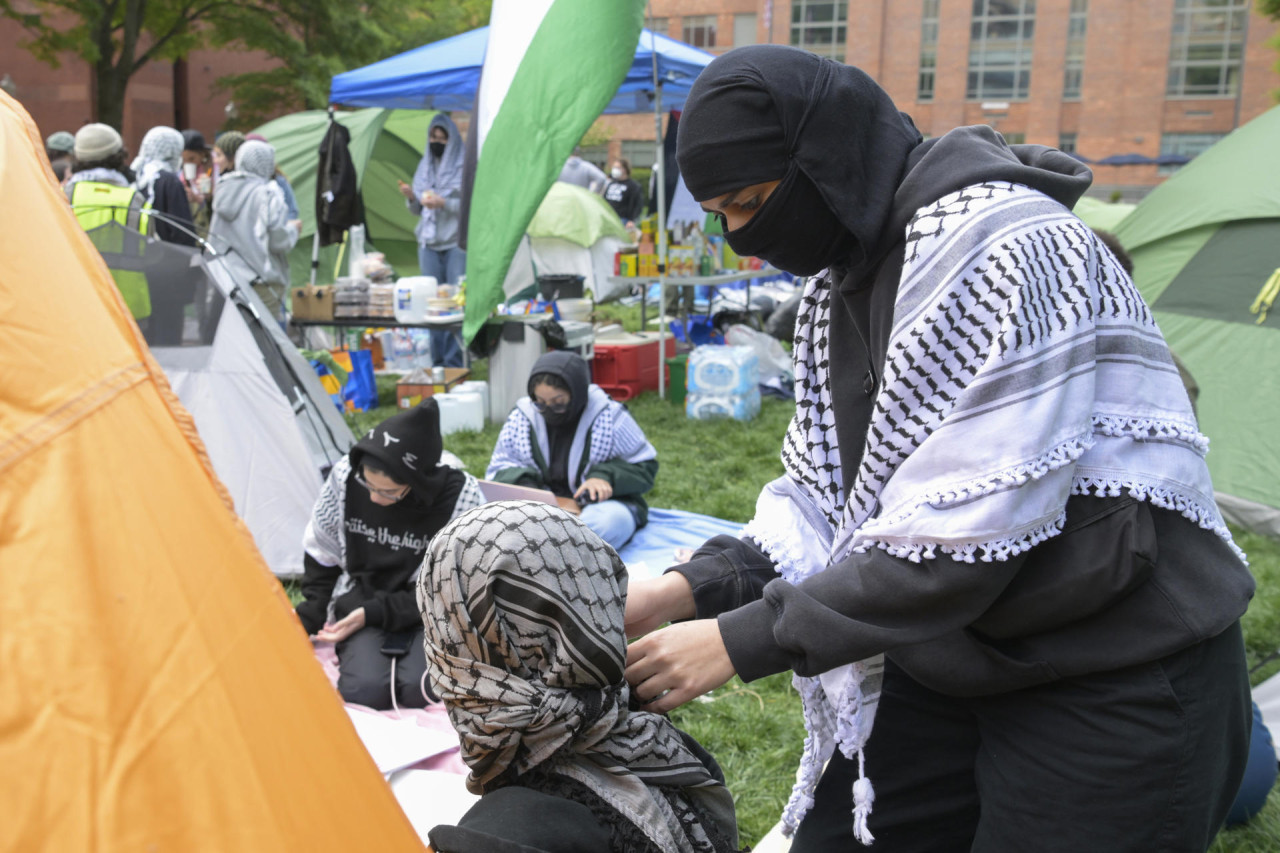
pixel 675 664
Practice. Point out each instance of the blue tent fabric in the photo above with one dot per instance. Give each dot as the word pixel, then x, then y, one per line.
pixel 652 550
pixel 444 75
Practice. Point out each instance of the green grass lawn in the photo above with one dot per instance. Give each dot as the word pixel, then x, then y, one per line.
pixel 754 730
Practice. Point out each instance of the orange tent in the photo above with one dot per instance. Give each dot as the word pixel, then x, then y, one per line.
pixel 156 691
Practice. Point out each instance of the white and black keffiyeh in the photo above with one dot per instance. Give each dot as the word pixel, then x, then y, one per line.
pixel 160 151
pixel 523 612
pixel 1023 367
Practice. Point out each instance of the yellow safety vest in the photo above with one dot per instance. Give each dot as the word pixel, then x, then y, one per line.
pixel 97 204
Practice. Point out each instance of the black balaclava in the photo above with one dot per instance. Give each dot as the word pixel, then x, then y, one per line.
pixel 576 374
pixel 832 137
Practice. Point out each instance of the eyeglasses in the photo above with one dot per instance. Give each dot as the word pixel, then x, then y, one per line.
pixel 553 408
pixel 389 494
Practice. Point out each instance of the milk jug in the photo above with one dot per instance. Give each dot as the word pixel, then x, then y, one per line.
pixel 411 297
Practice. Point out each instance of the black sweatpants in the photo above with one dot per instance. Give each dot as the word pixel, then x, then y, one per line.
pixel 1142 759
pixel 364 672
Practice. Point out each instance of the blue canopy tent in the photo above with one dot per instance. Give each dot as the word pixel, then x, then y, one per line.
pixel 444 75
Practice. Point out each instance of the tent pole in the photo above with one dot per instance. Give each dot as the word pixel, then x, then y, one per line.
pixel 315 255
pixel 661 184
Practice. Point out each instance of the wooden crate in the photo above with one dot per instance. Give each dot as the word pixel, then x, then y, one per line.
pixel 410 394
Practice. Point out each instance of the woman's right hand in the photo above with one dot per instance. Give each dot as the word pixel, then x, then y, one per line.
pixel 653 602
pixel 405 190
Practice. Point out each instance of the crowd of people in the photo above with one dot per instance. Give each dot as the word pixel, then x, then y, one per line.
pixel 180 190
pixel 993 563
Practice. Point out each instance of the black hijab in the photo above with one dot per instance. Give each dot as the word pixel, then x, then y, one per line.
pixel 572 370
pixel 759 112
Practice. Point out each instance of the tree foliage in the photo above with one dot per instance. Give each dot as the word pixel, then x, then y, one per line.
pixel 315 39
pixel 312 39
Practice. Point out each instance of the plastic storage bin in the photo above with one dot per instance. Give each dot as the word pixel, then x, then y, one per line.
pixel 627 364
pixel 475 386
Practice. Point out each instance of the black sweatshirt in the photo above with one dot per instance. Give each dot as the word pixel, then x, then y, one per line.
pixel 1124 583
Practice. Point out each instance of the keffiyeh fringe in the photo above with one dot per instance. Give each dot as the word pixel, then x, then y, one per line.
pixel 1010 328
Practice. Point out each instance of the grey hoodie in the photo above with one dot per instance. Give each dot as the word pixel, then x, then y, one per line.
pixel 251 226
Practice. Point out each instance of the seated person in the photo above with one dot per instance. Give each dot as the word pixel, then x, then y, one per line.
pixel 376 513
pixel 569 437
pixel 523 607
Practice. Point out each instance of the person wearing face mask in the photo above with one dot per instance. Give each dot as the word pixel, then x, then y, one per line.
pixel 994 561
pixel 436 199
pixel 377 512
pixel 571 438
pixel 622 193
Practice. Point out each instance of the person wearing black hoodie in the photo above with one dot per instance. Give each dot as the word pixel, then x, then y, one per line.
pixel 994 561
pixel 570 438
pixel 377 512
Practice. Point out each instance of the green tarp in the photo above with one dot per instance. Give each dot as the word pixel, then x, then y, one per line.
pixel 1203 245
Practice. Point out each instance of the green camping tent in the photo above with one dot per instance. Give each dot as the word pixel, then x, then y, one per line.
pixel 1102 215
pixel 386 146
pixel 1203 244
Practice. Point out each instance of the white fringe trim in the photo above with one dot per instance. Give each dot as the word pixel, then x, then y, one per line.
pixel 1148 429
pixel 1205 516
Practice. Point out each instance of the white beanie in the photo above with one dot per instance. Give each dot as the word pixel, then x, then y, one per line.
pixel 96 142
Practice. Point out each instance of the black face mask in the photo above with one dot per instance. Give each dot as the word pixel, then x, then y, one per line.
pixel 437 148
pixel 559 419
pixel 794 230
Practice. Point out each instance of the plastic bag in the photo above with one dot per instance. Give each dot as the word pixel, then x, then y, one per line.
pixel 774 360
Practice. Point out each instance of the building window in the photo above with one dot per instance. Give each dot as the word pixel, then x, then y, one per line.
pixel 641 153
pixel 1067 143
pixel 1186 144
pixel 700 30
pixel 1015 138
pixel 744 29
pixel 818 26
pixel 1206 51
pixel 928 51
pixel 657 25
pixel 1073 68
pixel 1000 48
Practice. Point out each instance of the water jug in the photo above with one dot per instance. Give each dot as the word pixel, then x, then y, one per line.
pixel 412 295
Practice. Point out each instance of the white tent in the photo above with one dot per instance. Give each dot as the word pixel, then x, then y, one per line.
pixel 270 429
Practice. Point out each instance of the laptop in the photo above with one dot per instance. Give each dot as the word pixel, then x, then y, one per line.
pixel 508 492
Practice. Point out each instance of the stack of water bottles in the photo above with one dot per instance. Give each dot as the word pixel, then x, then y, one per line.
pixel 722 382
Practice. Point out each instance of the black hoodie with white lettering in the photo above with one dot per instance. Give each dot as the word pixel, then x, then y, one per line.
pixel 385 544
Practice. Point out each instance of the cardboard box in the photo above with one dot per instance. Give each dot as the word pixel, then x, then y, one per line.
pixel 312 303
pixel 416 386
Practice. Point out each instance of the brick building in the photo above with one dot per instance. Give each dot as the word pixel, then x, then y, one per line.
pixel 1097 77
pixel 178 94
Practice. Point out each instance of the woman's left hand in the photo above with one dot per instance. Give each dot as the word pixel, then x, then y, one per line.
pixel 343 628
pixel 675 664
pixel 596 489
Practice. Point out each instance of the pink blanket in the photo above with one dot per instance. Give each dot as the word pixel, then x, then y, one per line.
pixel 431 717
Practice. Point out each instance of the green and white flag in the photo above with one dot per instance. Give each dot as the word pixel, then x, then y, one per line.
pixel 550 69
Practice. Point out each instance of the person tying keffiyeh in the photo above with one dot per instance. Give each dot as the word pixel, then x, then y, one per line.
pixel 522 609
pixel 994 562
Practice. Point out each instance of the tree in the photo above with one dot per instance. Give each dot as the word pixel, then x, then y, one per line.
pixel 116 37
pixel 313 39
